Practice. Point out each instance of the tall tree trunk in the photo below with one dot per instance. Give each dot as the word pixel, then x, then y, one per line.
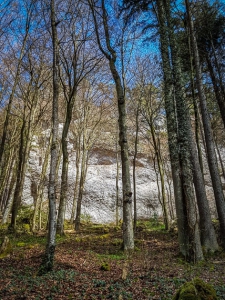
pixel 208 236
pixel 184 136
pixel 47 263
pixel 6 173
pixel 172 130
pixel 110 54
pixel 83 170
pixel 192 245
pixel 41 184
pixel 81 186
pixel 161 174
pixel 211 155
pixel 196 110
pixel 134 166
pixel 128 236
pixel 117 185
pixel 65 163
pixel 77 180
pixel 25 142
pixel 9 200
pixel 22 161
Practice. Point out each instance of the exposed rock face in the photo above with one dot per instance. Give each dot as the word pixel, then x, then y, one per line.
pixel 99 198
pixel 100 192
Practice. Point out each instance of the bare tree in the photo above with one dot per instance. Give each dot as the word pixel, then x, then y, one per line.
pixel 101 21
pixel 78 60
pixel 47 263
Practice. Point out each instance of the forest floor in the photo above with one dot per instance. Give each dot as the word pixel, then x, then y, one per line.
pixel 90 265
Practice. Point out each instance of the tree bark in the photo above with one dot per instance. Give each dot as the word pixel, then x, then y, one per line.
pixel 194 252
pixel 161 174
pixel 47 263
pixel 9 201
pixel 172 130
pixel 77 180
pixel 81 188
pixel 134 165
pixel 41 184
pixel 110 54
pixel 210 147
pixel 22 161
pixel 65 163
pixel 208 236
pixel 117 185
pixel 192 245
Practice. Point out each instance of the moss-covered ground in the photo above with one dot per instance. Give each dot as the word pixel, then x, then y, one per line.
pixel 90 265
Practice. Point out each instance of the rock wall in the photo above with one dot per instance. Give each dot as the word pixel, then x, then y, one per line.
pixel 99 199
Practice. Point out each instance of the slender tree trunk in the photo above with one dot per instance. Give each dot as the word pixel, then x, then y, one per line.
pixel 39 226
pixel 208 236
pixel 212 160
pixel 65 163
pixel 6 173
pixel 41 184
pixel 47 263
pixel 25 142
pixel 22 161
pixel 172 130
pixel 161 174
pixel 196 110
pixel 110 54
pixel 128 236
pixel 197 135
pixel 117 185
pixel 81 188
pixel 134 166
pixel 9 201
pixel 76 188
pixel 83 171
pixel 168 188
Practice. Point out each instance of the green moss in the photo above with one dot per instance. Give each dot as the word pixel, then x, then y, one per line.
pixel 20 244
pixel 105 267
pixel 115 256
pixel 6 249
pixel 26 228
pixel 32 246
pixel 117 228
pixel 68 225
pixel 117 242
pixel 104 236
pixel 196 290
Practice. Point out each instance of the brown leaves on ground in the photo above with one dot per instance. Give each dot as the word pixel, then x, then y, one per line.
pixel 153 271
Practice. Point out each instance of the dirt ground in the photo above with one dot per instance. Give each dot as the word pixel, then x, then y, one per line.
pixel 90 265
